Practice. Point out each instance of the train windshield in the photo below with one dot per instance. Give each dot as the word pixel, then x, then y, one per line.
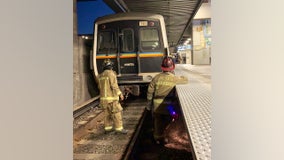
pixel 150 39
pixel 106 41
pixel 128 40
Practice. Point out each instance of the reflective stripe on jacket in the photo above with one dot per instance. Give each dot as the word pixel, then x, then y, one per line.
pixel 161 87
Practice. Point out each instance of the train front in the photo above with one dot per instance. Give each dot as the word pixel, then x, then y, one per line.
pixel 135 44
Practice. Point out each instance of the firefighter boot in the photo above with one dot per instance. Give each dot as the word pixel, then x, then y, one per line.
pixel 123 131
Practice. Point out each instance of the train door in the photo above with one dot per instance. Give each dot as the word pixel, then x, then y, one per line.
pixel 150 46
pixel 128 52
pixel 106 47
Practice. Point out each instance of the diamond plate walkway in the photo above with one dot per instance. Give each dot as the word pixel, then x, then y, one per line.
pixel 195 101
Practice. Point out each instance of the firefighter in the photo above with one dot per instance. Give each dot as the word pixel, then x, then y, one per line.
pixel 162 97
pixel 109 99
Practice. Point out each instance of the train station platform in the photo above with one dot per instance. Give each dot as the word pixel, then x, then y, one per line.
pixel 195 101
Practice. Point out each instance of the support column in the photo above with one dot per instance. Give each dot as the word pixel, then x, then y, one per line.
pixel 76 74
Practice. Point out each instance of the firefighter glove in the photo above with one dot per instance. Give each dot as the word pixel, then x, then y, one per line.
pixel 121 97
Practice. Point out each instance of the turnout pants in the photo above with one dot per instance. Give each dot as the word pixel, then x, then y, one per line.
pixel 113 116
pixel 161 121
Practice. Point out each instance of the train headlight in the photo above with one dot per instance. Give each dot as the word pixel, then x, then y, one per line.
pixel 149 77
pixel 151 24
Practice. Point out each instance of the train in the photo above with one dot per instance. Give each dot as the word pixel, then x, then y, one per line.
pixel 135 43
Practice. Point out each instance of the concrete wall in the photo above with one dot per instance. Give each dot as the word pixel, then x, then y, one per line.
pixel 201 47
pixel 201 56
pixel 201 43
pixel 84 86
pixel 76 75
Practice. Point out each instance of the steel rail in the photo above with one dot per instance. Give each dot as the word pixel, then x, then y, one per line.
pixel 133 141
pixel 86 106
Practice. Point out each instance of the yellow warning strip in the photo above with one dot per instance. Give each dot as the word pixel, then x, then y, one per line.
pixel 105 57
pixel 152 55
pixel 131 55
pixel 128 56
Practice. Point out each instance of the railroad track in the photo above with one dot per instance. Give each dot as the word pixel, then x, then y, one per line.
pixel 79 110
pixel 93 144
pixel 90 142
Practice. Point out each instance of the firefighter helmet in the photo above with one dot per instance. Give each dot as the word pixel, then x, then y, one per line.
pixel 107 64
pixel 168 64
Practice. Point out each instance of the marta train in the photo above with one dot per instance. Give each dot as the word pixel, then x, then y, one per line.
pixel 135 43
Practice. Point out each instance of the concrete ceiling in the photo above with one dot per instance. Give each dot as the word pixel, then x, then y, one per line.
pixel 178 14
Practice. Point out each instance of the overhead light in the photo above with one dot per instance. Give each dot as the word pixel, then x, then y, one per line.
pixel 85 37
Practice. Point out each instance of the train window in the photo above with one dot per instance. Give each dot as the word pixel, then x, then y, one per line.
pixel 106 41
pixel 149 39
pixel 128 40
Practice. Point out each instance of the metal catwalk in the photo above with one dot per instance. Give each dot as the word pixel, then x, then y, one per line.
pixel 195 101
